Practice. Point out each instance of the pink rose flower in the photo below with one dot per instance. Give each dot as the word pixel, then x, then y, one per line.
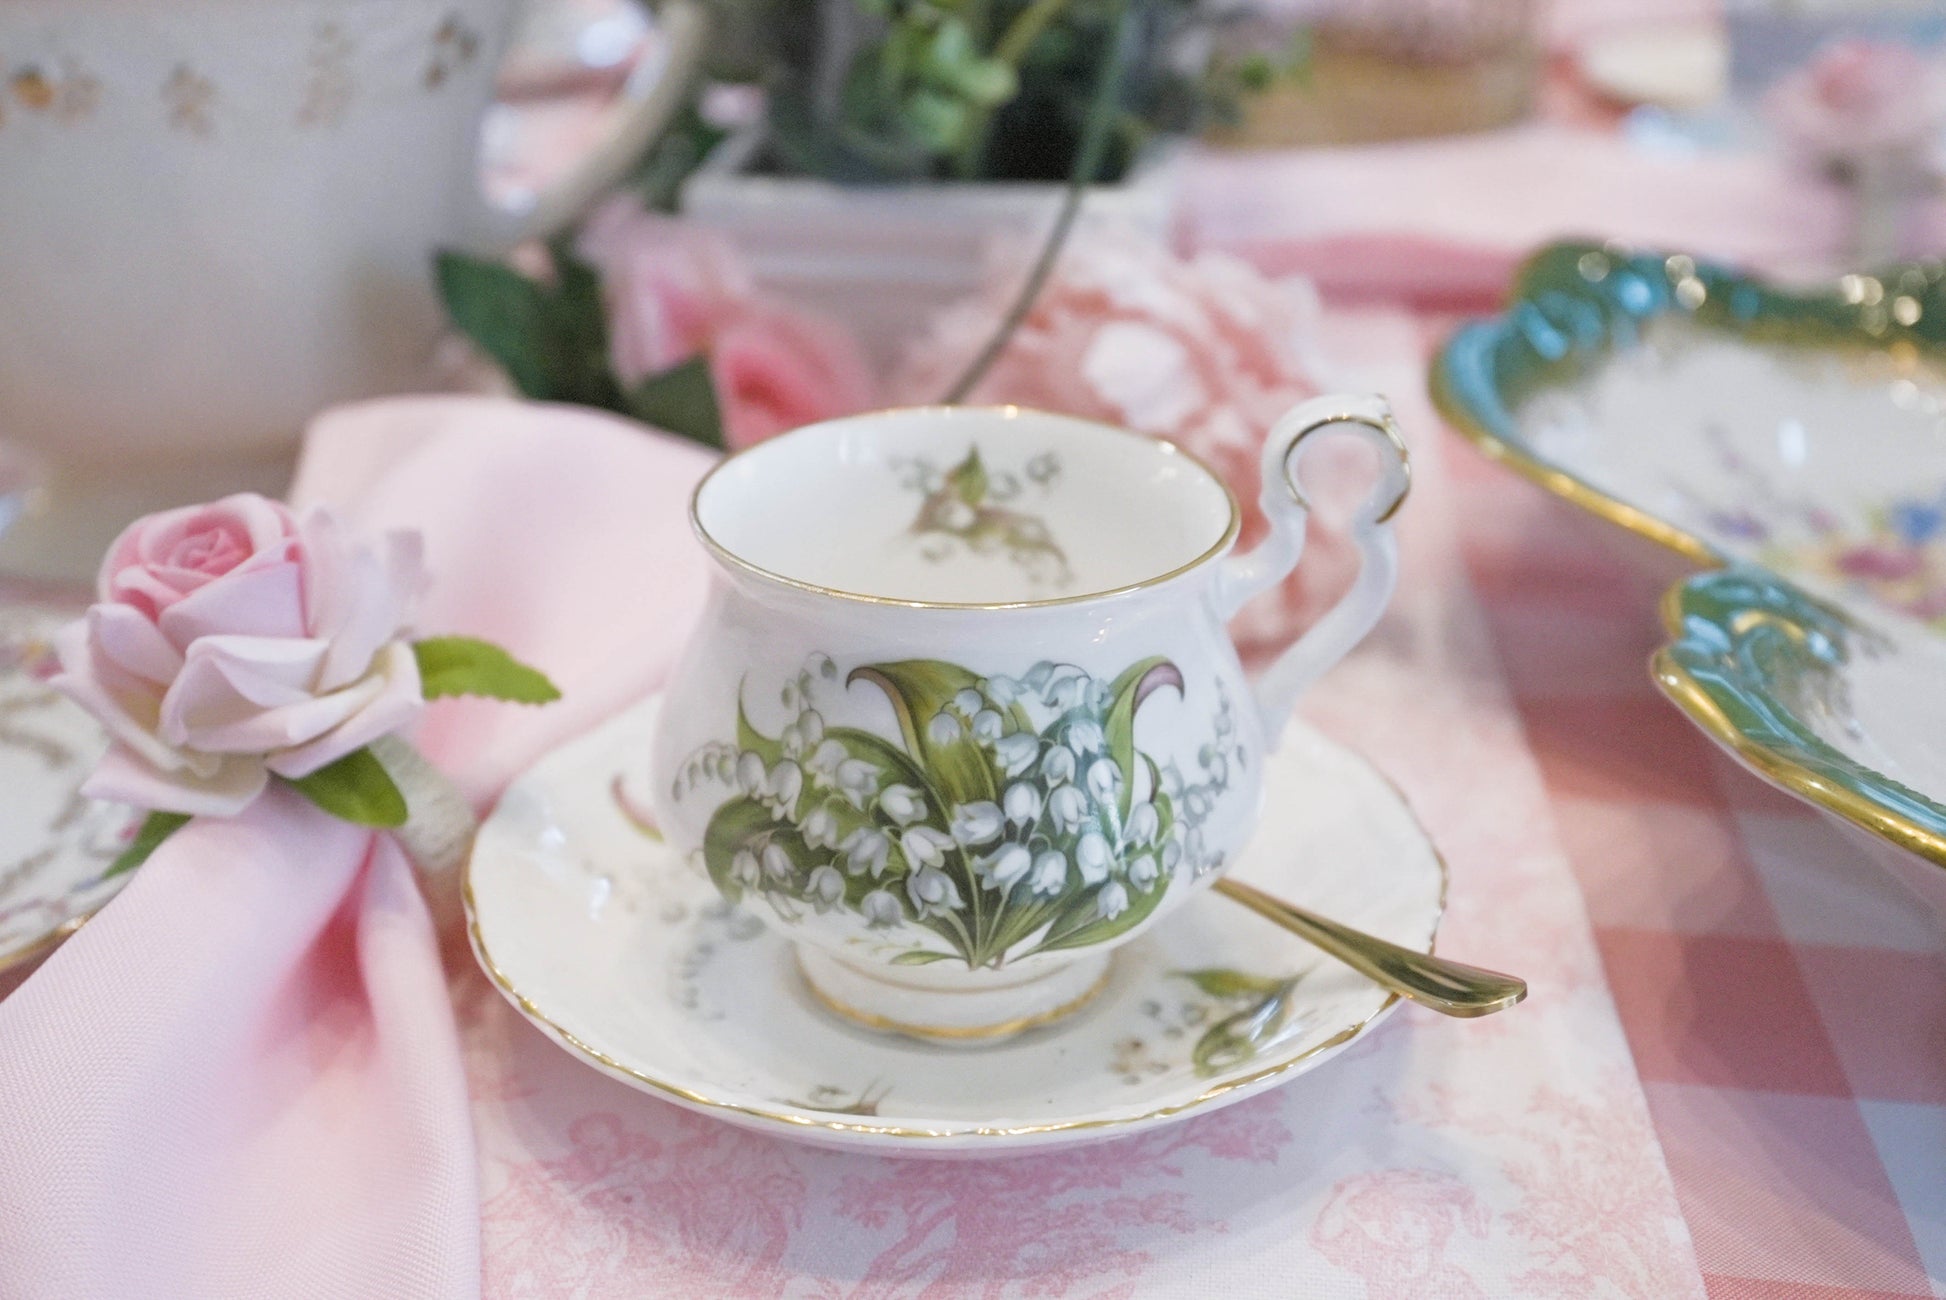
pixel 675 290
pixel 231 641
pixel 1205 352
pixel 1860 97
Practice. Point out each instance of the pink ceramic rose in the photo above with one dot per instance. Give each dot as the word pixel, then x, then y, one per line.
pixel 233 641
pixel 675 290
pixel 1860 98
pixel 1204 351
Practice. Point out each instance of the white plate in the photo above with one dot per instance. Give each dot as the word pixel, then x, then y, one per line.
pixel 55 846
pixel 630 960
pixel 1798 435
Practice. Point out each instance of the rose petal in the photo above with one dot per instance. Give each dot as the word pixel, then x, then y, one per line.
pixel 230 685
pixel 125 705
pixel 123 776
pixel 357 600
pixel 391 698
pixel 267 602
pixel 133 643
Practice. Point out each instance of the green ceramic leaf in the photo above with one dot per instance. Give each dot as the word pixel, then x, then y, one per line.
pixel 919 958
pixel 1125 696
pixel 1221 982
pixel 357 789
pixel 1238 1038
pixel 681 400
pixel 734 826
pixel 968 479
pixel 462 665
pixel 1080 925
pixel 155 828
pixel 918 689
pixel 749 738
pixel 886 756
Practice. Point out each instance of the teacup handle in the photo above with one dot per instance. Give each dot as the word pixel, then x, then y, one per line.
pixel 649 102
pixel 1345 624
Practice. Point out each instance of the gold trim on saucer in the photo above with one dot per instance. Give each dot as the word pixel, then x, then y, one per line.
pixel 532 1010
pixel 960 1033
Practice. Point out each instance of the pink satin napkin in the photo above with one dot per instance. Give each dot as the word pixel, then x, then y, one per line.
pixel 243 1077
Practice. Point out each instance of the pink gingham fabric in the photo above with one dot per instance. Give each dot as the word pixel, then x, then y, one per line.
pixel 1784 998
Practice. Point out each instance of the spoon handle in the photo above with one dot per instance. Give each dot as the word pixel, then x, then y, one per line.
pixel 1450 987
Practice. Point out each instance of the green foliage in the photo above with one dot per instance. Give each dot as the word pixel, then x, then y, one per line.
pixel 155 828
pixel 900 90
pixel 682 400
pixel 461 665
pixel 357 789
pixel 551 337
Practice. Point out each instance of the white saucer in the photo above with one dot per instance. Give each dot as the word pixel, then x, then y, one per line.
pixel 630 960
pixel 55 846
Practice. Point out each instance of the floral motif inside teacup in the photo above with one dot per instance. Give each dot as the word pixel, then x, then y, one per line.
pixel 961 715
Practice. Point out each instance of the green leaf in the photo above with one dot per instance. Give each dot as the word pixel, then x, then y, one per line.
pixel 357 789
pixel 918 689
pixel 464 665
pixel 733 828
pixel 1221 982
pixel 968 479
pixel 918 957
pixel 552 340
pixel 502 311
pixel 748 737
pixel 155 828
pixel 681 400
pixel 1236 1039
pixel 1125 696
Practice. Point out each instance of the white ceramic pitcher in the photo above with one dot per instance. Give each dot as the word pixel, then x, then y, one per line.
pixel 218 217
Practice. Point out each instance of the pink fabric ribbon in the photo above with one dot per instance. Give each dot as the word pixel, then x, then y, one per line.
pixel 243 1077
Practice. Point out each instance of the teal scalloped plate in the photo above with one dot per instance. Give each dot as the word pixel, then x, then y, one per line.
pixel 1798 435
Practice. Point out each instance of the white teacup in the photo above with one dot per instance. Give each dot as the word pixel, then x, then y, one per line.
pixel 218 217
pixel 962 715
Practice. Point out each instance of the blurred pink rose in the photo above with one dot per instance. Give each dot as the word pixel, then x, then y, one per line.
pixel 675 289
pixel 230 641
pixel 1204 351
pixel 1860 97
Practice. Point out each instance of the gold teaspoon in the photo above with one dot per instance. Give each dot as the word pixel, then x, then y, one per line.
pixel 1449 987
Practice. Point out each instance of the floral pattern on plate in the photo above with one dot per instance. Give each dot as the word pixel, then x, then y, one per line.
pixel 1794 433
pixel 55 846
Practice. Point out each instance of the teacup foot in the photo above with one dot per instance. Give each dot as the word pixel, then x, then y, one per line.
pixel 951 1007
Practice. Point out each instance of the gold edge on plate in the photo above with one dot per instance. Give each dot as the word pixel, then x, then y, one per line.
pixel 1566 486
pixel 529 1008
pixel 1676 685
pixel 1687 694
pixel 42 944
